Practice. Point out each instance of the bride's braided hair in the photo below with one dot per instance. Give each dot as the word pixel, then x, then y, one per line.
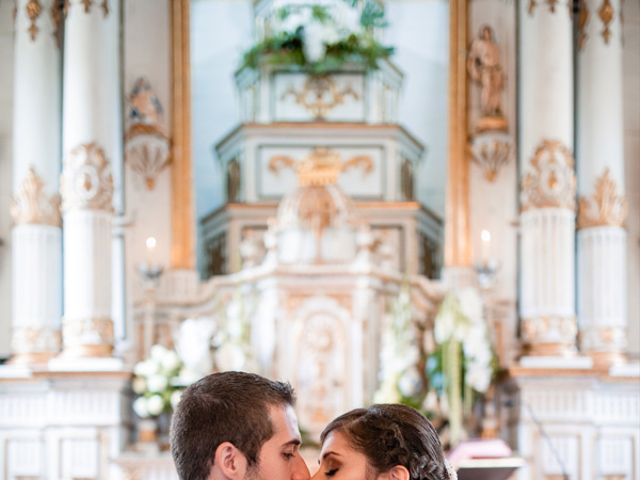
pixel 390 435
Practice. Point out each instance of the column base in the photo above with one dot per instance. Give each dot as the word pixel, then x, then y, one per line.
pixel 31 358
pixel 607 359
pixel 549 350
pixel 87 351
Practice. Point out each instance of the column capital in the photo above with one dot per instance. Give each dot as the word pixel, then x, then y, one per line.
pixel 86 181
pixel 605 207
pixel 87 6
pixel 551 182
pixel 31 204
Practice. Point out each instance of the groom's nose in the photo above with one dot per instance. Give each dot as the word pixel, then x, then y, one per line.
pixel 300 470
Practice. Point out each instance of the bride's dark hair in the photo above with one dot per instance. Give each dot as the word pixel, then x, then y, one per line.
pixel 390 435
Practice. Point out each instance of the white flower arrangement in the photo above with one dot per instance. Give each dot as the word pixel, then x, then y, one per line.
pixel 463 363
pixel 321 37
pixel 156 382
pixel 232 342
pixel 401 378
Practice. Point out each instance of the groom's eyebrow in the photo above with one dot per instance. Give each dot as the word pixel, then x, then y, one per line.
pixel 296 441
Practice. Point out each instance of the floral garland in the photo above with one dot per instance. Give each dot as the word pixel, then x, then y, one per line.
pixel 321 38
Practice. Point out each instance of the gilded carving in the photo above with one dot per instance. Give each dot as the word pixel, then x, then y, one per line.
pixel 57 18
pixel 87 5
pixel 105 7
pixel 534 3
pixel 483 65
pixel 35 340
pixel 33 9
pixel 321 167
pixel 583 20
pixel 551 182
pixel 605 12
pixel 320 95
pixel 549 335
pixel 491 156
pixel 606 207
pixel 86 181
pixel 88 336
pixel 31 205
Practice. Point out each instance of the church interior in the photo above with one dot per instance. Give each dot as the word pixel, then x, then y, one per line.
pixel 428 202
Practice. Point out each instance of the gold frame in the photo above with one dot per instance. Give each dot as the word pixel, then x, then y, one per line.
pixel 182 204
pixel 457 248
pixel 457 238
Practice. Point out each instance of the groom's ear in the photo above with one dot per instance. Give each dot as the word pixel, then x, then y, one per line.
pixel 229 462
pixel 396 473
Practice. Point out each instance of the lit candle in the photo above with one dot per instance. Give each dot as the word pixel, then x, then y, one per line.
pixel 485 246
pixel 151 247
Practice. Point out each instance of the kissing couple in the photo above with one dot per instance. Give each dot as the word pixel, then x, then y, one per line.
pixel 241 426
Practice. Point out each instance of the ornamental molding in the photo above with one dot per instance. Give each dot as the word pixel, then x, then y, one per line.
pixel 550 334
pixel 320 95
pixel 606 13
pixel 552 4
pixel 491 155
pixel 35 339
pixel 86 6
pixel 33 10
pixel 606 207
pixel 321 167
pixel 88 336
pixel 551 181
pixel 583 19
pixel 32 206
pixel 86 181
pixel 57 19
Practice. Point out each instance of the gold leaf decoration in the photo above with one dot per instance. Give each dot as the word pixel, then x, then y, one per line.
pixel 34 9
pixel 86 181
pixel 105 7
pixel 606 207
pixel 87 5
pixel 320 95
pixel 551 183
pixel 57 17
pixel 32 206
pixel 606 15
pixel 583 20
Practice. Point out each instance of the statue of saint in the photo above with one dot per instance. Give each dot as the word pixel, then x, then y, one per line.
pixel 483 64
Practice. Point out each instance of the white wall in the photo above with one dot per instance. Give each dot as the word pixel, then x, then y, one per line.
pixel 632 161
pixel 6 117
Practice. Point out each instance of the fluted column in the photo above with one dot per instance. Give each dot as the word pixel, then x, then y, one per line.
pixel 547 219
pixel 35 207
pixel 91 141
pixel 602 240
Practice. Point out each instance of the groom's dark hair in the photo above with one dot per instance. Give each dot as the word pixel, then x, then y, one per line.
pixel 224 407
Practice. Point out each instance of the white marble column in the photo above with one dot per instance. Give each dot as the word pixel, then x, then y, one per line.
pixel 92 136
pixel 602 240
pixel 547 220
pixel 35 208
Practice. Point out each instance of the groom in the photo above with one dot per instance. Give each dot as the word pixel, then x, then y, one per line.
pixel 237 426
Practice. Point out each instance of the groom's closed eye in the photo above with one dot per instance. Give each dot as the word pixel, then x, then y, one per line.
pixel 290 449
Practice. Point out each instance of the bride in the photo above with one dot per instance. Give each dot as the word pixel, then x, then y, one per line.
pixel 382 442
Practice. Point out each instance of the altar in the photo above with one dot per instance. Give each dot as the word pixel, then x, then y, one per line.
pixel 376 201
